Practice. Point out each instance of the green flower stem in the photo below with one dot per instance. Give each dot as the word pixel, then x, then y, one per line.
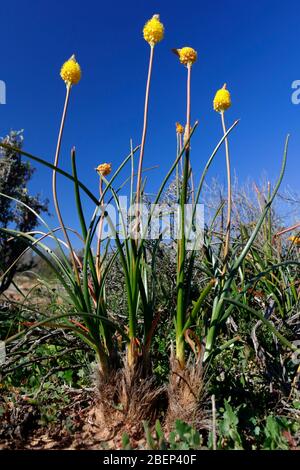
pixel 181 253
pixel 229 196
pixel 82 219
pixel 98 255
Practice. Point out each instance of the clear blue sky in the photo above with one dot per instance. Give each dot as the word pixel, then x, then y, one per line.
pixel 252 46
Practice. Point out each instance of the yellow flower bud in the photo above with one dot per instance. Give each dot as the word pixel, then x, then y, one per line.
pixel 222 100
pixel 295 240
pixel 153 30
pixel 179 128
pixel 71 71
pixel 104 169
pixel 187 55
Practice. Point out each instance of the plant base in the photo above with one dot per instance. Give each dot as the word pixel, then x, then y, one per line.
pixel 186 396
pixel 124 400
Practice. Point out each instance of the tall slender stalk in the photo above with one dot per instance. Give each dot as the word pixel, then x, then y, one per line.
pixel 192 185
pixel 229 195
pixel 177 166
pixel 98 256
pixel 144 133
pixel 188 126
pixel 181 253
pixel 188 103
pixel 134 262
pixel 180 151
pixel 269 238
pixel 54 183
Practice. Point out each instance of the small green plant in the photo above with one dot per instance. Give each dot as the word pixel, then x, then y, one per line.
pixel 274 438
pixel 229 437
pixel 184 437
pixel 126 442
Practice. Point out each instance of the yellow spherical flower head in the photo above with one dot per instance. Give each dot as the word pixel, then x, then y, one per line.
pixel 153 31
pixel 104 169
pixel 179 128
pixel 187 55
pixel 222 100
pixel 295 240
pixel 71 71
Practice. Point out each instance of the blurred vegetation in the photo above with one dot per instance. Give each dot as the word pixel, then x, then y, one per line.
pixel 15 176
